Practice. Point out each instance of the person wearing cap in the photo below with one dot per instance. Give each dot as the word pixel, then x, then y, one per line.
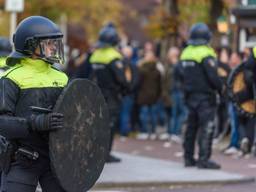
pixel 201 83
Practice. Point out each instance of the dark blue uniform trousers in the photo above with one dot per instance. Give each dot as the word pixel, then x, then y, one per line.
pixel 200 123
pixel 24 176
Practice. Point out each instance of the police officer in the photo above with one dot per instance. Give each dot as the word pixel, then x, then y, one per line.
pixel 108 72
pixel 30 85
pixel 201 82
pixel 5 50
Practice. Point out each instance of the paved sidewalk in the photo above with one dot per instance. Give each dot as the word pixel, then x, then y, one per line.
pixel 143 171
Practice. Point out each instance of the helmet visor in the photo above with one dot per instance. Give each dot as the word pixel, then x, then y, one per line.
pixel 52 50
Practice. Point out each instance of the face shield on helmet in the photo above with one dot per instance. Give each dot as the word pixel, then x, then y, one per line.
pixel 50 50
pixel 37 37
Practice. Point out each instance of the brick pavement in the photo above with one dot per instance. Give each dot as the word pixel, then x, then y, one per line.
pixel 144 171
pixel 155 149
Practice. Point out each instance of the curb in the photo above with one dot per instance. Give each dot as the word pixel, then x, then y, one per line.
pixel 171 183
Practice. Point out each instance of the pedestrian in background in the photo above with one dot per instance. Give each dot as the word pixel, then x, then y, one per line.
pixel 223 70
pixel 149 90
pixel 131 75
pixel 174 97
pixel 233 146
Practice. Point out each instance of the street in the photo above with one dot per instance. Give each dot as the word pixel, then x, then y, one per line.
pixel 155 149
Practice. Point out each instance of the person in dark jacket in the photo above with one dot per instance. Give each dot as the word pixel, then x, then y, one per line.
pixel 223 70
pixel 177 111
pixel 31 82
pixel 149 91
pixel 201 83
pixel 131 75
pixel 248 143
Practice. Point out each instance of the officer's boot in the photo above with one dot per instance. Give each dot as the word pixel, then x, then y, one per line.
pixel 205 148
pixel 189 144
pixel 209 164
pixel 190 162
pixel 111 158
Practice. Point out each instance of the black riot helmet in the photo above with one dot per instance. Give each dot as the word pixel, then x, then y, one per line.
pixel 108 36
pixel 200 34
pixel 5 47
pixel 40 37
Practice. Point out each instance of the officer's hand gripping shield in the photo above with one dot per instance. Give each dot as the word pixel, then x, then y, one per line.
pixel 79 150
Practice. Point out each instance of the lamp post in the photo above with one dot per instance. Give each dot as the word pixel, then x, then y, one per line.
pixel 222 26
pixel 13 6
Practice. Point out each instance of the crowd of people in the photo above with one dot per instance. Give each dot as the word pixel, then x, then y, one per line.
pixel 155 107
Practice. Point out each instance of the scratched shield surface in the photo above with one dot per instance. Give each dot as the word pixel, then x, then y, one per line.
pixel 78 152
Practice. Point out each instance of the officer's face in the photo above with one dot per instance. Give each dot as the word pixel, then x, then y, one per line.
pixel 50 48
pixel 47 48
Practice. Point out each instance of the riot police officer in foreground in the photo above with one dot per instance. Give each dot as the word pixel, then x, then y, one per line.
pixel 201 82
pixel 5 50
pixel 108 72
pixel 31 84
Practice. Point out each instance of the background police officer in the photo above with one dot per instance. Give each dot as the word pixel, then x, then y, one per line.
pixel 5 50
pixel 108 71
pixel 201 82
pixel 30 83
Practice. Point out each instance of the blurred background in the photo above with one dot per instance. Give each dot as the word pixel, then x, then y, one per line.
pixel 165 22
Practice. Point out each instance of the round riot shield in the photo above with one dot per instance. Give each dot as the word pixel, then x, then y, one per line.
pixel 241 94
pixel 78 151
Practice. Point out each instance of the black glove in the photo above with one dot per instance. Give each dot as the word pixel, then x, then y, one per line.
pixel 3 144
pixel 46 122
